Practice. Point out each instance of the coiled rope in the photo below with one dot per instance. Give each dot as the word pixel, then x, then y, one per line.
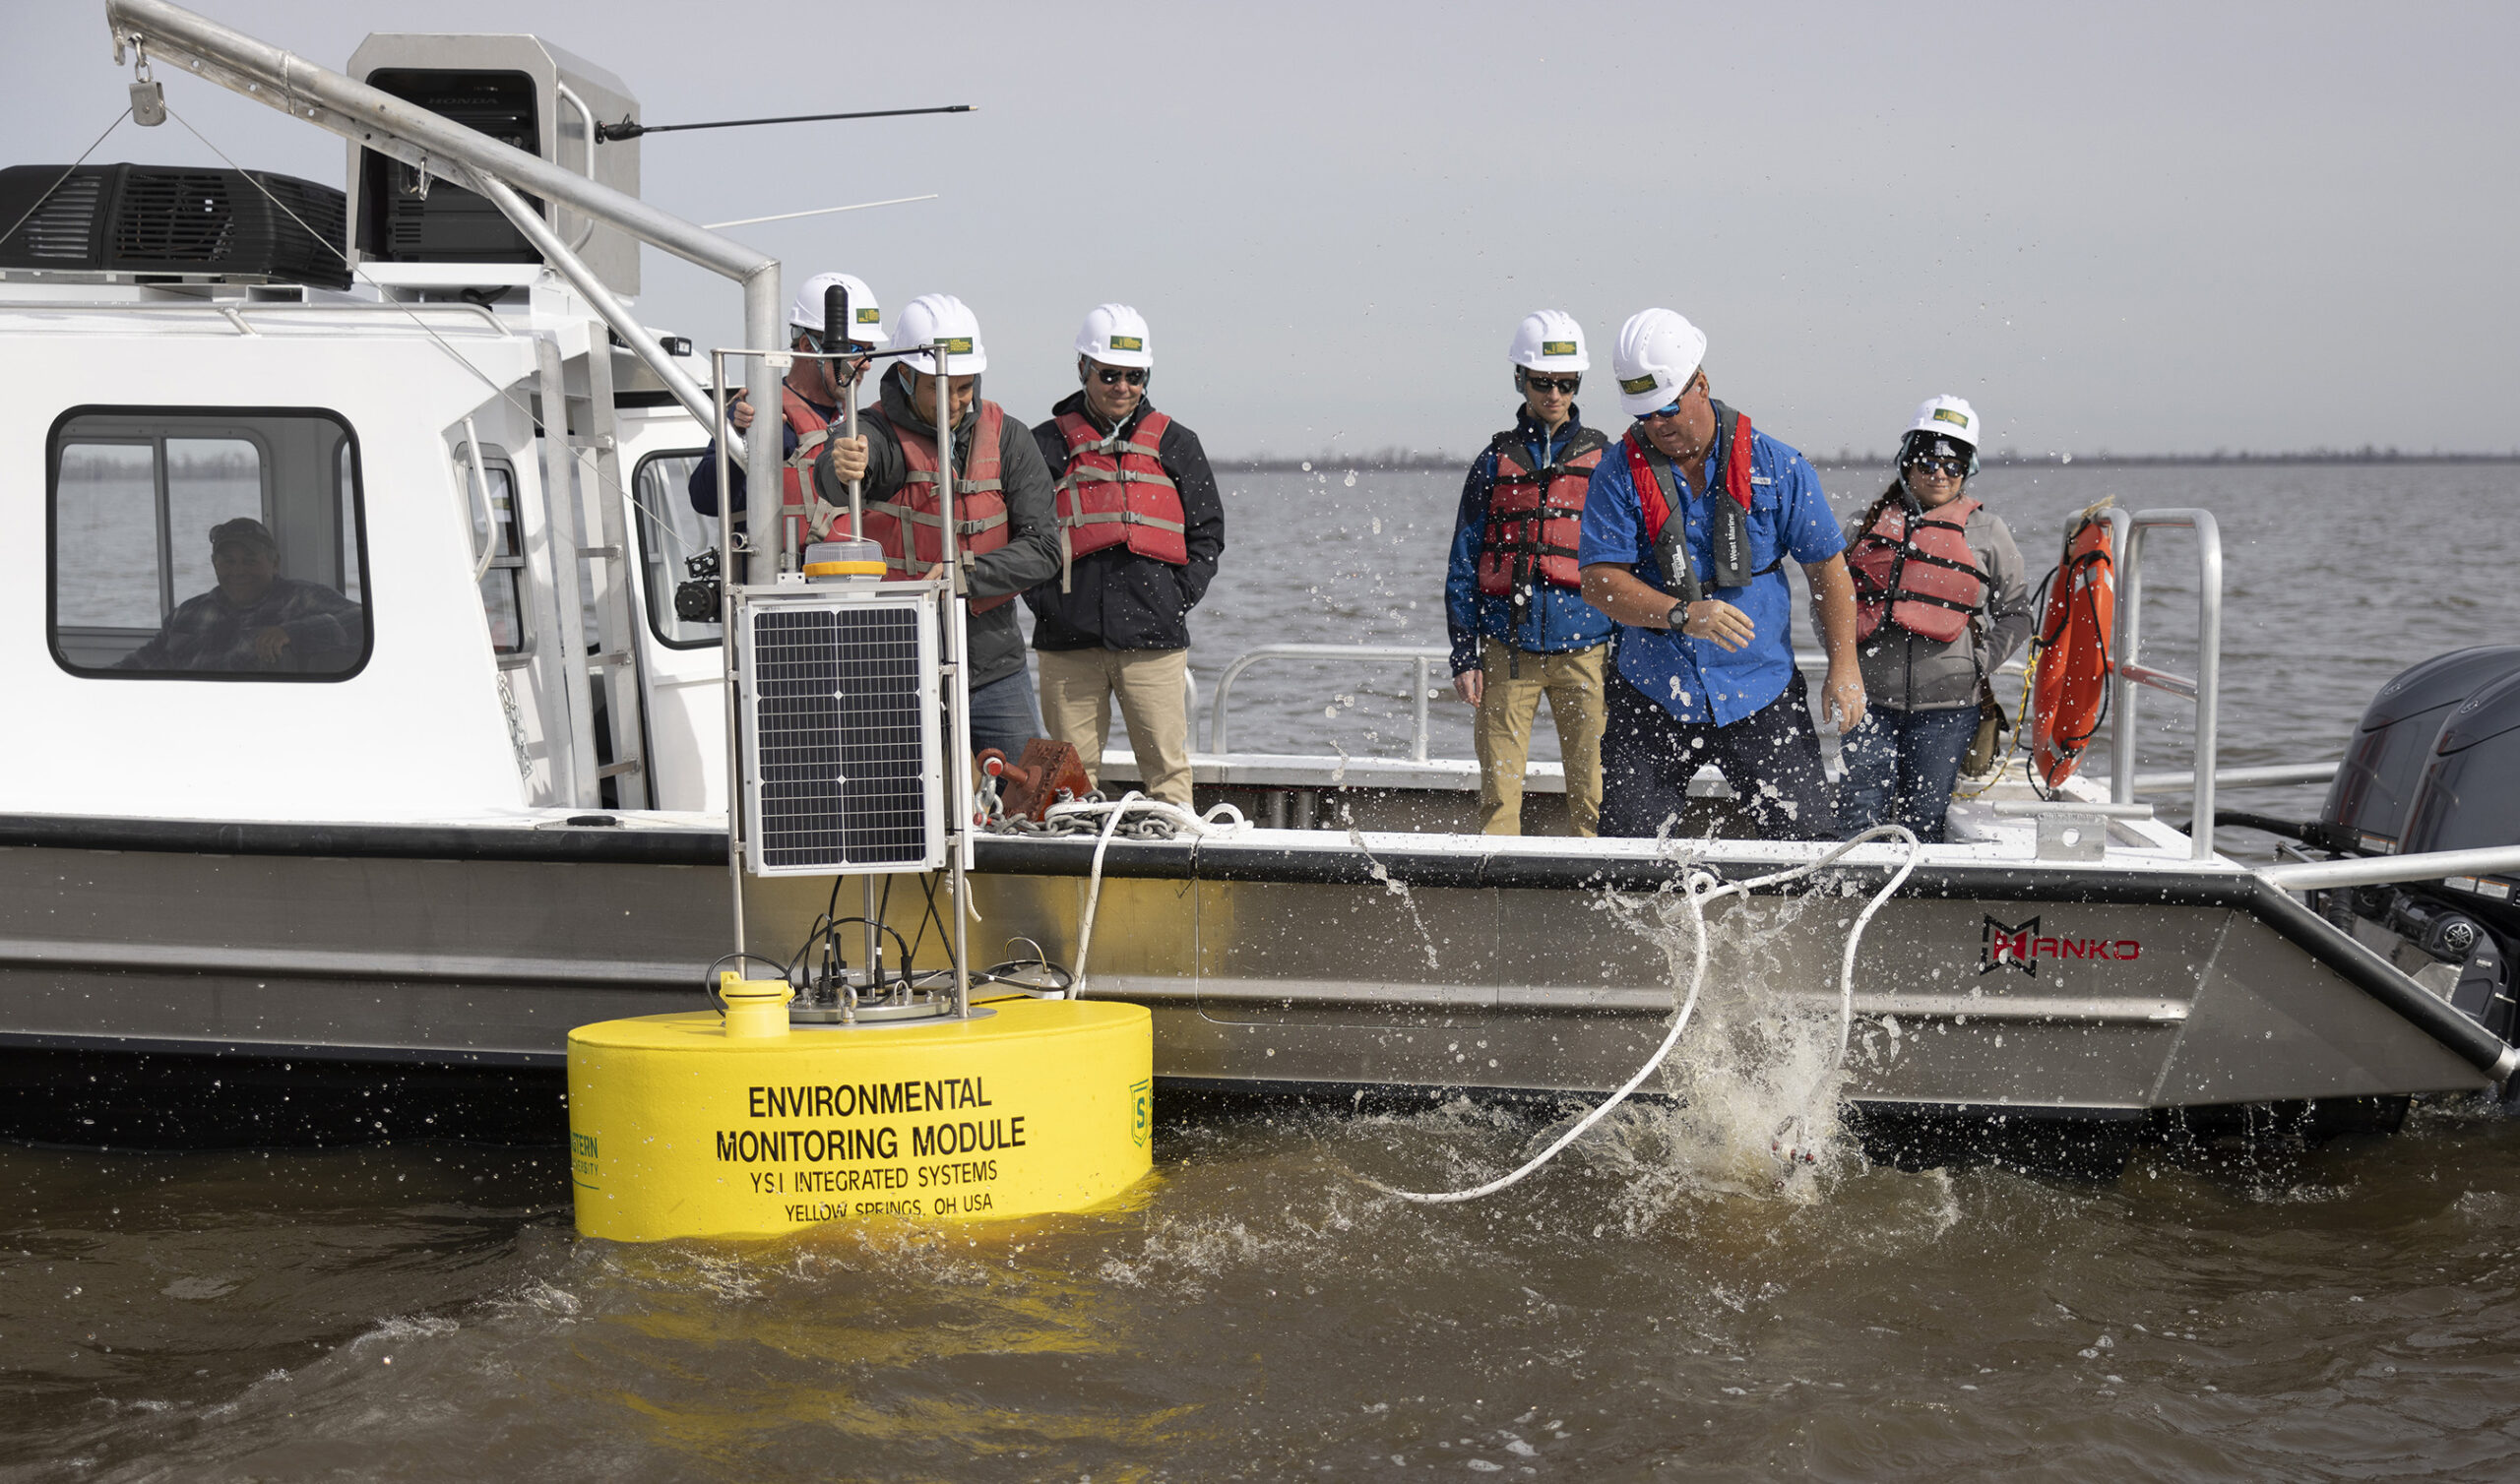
pixel 1159 820
pixel 1699 887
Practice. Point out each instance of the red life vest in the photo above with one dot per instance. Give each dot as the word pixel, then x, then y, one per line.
pixel 1724 531
pixel 1113 492
pixel 1534 515
pixel 1917 571
pixel 796 495
pixel 908 527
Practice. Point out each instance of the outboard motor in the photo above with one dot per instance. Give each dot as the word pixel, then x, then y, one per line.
pixel 2367 806
pixel 2435 766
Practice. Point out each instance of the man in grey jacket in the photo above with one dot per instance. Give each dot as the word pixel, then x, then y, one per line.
pixel 896 443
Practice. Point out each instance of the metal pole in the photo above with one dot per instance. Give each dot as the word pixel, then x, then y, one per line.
pixel 2122 653
pixel 405 131
pixel 607 307
pixel 1418 749
pixel 2209 673
pixel 726 658
pixel 958 767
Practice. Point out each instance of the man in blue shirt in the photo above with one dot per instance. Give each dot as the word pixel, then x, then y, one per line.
pixel 1513 599
pixel 1687 526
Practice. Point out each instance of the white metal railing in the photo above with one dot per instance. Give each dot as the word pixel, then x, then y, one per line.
pixel 1419 657
pixel 2128 671
pixel 2378 870
pixel 1422 657
pixel 2271 775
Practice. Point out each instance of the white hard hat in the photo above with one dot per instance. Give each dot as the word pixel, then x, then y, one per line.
pixel 933 317
pixel 1116 336
pixel 1658 352
pixel 1950 417
pixel 1549 340
pixel 865 316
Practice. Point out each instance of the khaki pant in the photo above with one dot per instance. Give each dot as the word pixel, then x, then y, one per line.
pixel 1077 686
pixel 1507 707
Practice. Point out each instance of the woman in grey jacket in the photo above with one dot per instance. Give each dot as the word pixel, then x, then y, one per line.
pixel 1942 600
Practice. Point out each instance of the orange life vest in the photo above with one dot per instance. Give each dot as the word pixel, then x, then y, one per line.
pixel 1115 491
pixel 908 525
pixel 796 496
pixel 1917 571
pixel 1535 515
pixel 2069 659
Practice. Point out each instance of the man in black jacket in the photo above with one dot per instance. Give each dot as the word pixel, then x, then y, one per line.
pixel 896 447
pixel 1140 527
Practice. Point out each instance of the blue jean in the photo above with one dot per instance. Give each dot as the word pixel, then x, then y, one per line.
pixel 1900 769
pixel 1005 714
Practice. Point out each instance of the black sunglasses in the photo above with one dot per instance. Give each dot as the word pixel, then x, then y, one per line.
pixel 1949 469
pixel 1112 375
pixel 1565 384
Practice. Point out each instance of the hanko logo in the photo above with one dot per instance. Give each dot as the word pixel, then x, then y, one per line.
pixel 2022 947
pixel 1141 1112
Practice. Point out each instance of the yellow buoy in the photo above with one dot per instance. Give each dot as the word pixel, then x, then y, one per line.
pixel 687 1126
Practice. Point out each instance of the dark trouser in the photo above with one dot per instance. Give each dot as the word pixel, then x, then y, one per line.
pixel 1901 765
pixel 1005 714
pixel 1771 758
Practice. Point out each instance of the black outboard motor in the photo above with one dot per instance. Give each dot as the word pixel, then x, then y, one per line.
pixel 2367 806
pixel 2435 766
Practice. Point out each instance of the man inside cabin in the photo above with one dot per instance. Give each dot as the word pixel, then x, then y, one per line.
pixel 1687 524
pixel 1140 529
pixel 810 406
pixel 1005 533
pixel 255 621
pixel 1513 601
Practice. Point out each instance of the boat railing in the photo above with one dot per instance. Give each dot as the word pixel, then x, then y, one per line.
pixel 1422 660
pixel 2128 671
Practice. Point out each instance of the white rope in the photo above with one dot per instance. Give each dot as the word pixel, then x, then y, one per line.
pixel 1192 824
pixel 1698 887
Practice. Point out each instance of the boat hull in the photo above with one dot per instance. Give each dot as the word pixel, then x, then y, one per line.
pixel 1292 961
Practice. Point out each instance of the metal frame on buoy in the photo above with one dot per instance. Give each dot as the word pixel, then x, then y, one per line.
pixel 950 593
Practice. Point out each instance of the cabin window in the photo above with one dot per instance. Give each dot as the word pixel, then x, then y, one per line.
pixel 205 543
pixel 503 581
pixel 670 533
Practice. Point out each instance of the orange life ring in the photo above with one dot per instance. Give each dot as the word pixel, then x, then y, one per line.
pixel 2069 687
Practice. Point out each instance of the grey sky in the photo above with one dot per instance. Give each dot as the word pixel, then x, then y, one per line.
pixel 2173 228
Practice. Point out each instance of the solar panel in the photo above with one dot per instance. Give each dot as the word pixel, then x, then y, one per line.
pixel 841 722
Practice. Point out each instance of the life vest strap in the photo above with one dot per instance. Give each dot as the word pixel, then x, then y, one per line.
pixel 1123 517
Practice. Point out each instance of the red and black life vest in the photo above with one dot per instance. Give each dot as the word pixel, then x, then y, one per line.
pixel 796 496
pixel 908 527
pixel 1728 525
pixel 1534 515
pixel 1916 570
pixel 1114 492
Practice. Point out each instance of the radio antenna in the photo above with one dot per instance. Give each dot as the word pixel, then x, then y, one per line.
pixel 626 129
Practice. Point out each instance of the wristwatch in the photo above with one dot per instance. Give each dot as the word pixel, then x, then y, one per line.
pixel 1677 619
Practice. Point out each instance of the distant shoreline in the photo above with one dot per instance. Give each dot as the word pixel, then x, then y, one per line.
pixel 1326 463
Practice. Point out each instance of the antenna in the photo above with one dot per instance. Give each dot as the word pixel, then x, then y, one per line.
pixel 630 129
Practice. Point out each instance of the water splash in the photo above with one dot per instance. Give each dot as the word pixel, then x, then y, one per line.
pixel 1400 889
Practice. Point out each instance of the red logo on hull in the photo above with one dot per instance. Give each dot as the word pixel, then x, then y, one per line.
pixel 2022 947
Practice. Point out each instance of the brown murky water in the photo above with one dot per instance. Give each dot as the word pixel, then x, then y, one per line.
pixel 2350 1311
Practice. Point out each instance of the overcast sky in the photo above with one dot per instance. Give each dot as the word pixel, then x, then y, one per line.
pixel 2129 227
